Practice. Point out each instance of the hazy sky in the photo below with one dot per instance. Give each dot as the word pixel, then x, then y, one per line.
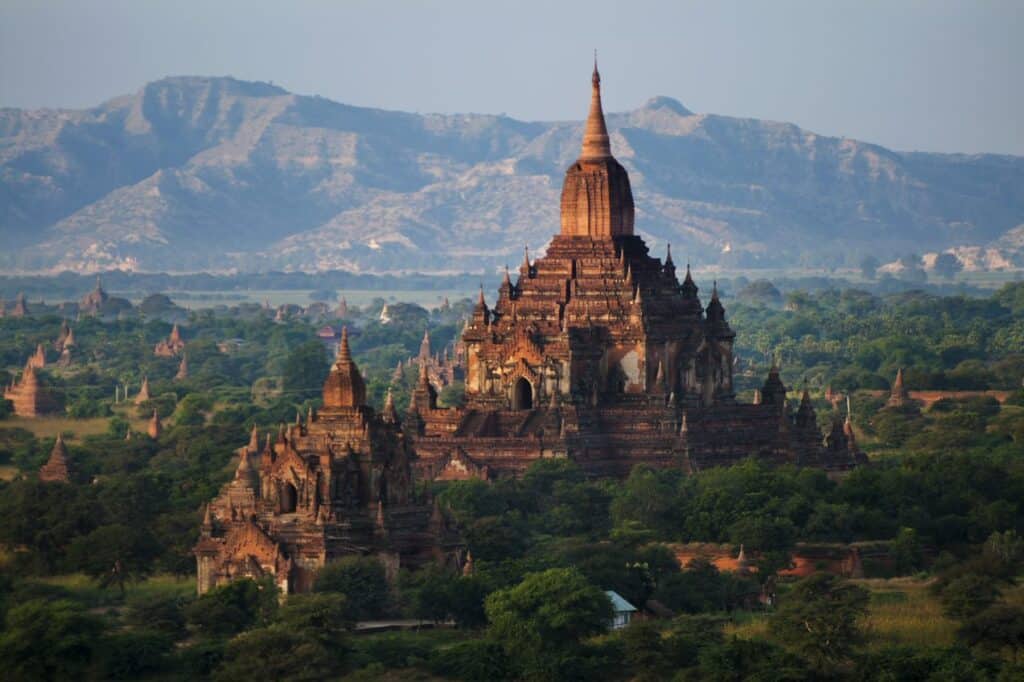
pixel 936 76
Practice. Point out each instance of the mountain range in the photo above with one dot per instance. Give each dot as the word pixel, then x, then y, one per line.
pixel 217 174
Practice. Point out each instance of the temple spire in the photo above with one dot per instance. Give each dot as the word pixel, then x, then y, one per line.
pixel 344 352
pixel 596 145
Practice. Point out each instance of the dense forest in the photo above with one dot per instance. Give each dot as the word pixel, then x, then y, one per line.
pixel 937 515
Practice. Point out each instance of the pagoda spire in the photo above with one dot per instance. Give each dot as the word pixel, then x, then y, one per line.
pixel 155 427
pixel 344 386
pixel 425 346
pixel 596 145
pixel 389 413
pixel 597 201
pixel 344 352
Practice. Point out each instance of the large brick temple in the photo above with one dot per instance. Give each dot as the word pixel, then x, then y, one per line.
pixel 339 483
pixel 596 353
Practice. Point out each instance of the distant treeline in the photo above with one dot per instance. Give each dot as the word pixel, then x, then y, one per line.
pixel 73 285
pixel 68 285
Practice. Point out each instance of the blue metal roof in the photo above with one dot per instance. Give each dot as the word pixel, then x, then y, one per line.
pixel 618 603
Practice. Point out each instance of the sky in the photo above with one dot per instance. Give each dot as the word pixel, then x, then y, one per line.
pixel 911 75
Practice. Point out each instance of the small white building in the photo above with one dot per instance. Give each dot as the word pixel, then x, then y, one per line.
pixel 622 609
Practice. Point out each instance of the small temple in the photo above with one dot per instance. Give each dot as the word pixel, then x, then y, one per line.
pixel 38 359
pixel 172 346
pixel 444 368
pixel 340 483
pixel 899 396
pixel 182 373
pixel 66 338
pixel 154 428
pixel 57 467
pixel 29 394
pixel 93 302
pixel 143 394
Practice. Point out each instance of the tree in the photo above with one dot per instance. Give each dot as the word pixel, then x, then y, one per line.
pixel 647 498
pixel 494 538
pixel 738 660
pixel 868 267
pixel 326 616
pixel 48 640
pixel 277 652
pixel 304 371
pixel 760 292
pixel 114 554
pixel 541 621
pixel 701 587
pixel 645 651
pixel 996 629
pixel 234 607
pixel 466 603
pixel 453 395
pixel 688 636
pixel 772 536
pixel 470 500
pixel 361 580
pixel 917 663
pixel 133 654
pixel 428 593
pixel 968 595
pixel 323 295
pixel 906 551
pixel 819 617
pixel 474 659
pixel 161 612
pixel 947 265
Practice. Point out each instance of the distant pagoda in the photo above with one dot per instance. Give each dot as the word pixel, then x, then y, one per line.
pixel 57 466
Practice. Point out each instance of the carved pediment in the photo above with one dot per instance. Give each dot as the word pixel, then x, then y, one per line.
pixel 459 466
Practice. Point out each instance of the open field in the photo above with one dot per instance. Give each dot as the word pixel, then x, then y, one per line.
pixel 428 298
pixel 49 427
pixel 85 589
pixel 902 612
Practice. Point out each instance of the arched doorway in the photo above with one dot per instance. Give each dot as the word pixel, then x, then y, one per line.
pixel 522 395
pixel 289 498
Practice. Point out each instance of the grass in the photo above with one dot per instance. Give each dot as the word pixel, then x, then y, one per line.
pixel 429 298
pixel 902 612
pixel 49 427
pixel 86 590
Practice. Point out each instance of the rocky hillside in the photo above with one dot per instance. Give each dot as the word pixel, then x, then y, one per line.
pixel 213 173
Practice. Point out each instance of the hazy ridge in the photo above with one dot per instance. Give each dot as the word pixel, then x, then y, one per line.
pixel 195 173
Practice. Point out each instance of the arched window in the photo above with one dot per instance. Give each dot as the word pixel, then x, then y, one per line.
pixel 289 498
pixel 522 395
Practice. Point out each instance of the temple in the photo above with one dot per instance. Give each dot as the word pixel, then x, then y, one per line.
pixel 93 302
pixel 598 353
pixel 30 396
pixel 57 467
pixel 172 346
pixel 338 483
